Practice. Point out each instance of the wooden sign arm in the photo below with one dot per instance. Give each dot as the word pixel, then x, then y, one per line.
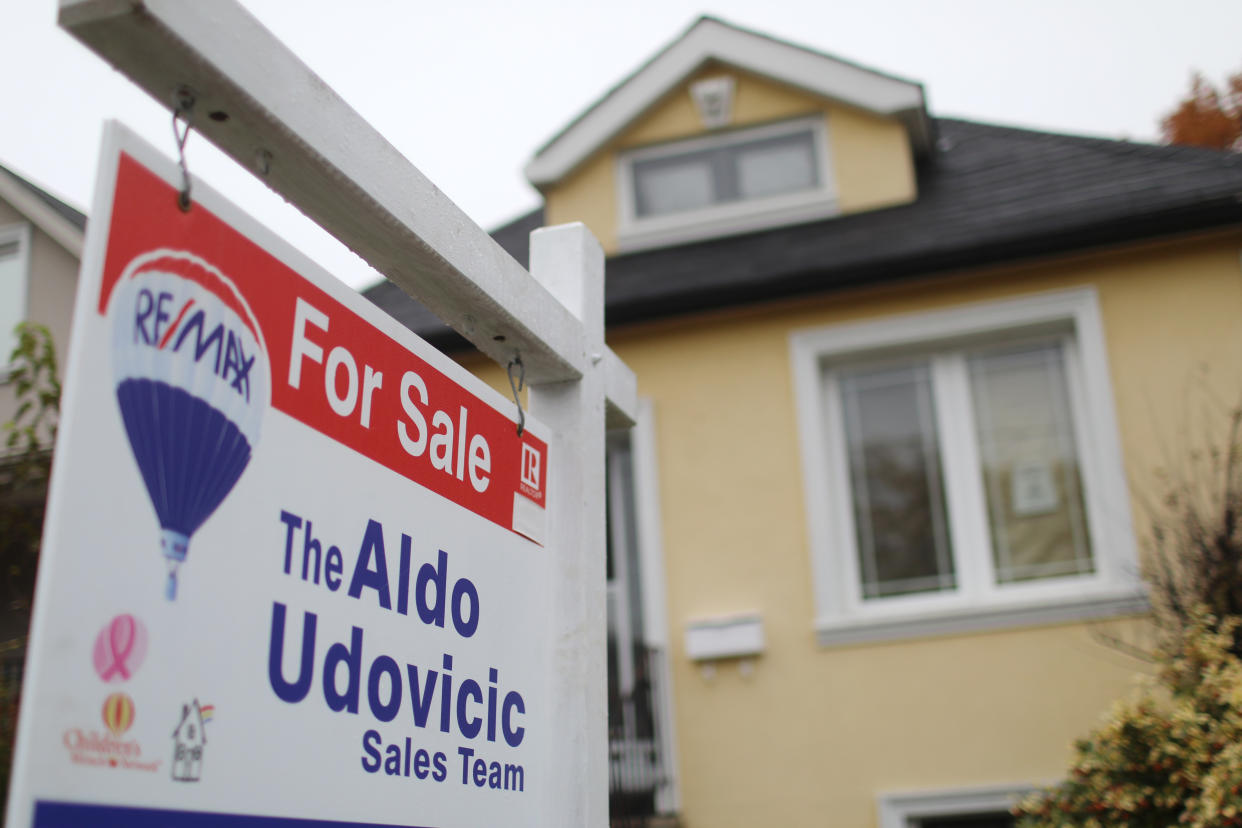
pixel 257 101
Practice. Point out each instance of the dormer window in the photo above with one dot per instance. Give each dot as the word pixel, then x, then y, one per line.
pixel 736 171
pixel 725 183
pixel 14 278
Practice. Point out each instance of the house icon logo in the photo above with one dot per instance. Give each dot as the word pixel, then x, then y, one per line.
pixel 188 739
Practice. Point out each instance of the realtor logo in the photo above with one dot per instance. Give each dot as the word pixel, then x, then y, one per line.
pixel 530 466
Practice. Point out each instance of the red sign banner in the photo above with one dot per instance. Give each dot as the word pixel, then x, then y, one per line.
pixel 329 368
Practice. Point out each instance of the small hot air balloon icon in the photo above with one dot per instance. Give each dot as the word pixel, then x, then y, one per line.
pixel 192 383
pixel 118 713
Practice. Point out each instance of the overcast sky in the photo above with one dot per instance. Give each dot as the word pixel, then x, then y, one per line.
pixel 469 90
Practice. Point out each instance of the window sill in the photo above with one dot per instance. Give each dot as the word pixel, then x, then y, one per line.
pixel 727 220
pixel 900 810
pixel 838 632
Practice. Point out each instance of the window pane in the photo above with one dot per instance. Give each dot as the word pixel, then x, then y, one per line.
pixel 732 171
pixel 1030 463
pixel 899 510
pixel 622 519
pixel 671 185
pixel 778 165
pixel 12 296
pixel 1000 820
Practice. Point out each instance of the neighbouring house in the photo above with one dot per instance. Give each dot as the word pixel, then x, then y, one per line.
pixel 906 382
pixel 40 246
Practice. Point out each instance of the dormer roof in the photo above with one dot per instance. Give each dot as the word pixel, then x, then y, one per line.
pixel 710 39
pixel 65 224
pixel 993 195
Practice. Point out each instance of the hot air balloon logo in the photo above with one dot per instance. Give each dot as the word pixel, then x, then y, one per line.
pixel 118 713
pixel 192 383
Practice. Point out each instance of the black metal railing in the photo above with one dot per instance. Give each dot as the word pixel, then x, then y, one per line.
pixel 638 767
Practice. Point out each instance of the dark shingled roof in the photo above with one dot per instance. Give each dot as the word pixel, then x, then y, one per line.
pixel 76 217
pixel 990 194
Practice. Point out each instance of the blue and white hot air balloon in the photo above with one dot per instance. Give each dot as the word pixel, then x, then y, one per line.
pixel 192 383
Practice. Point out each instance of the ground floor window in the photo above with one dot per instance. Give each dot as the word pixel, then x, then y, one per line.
pixel 973 807
pixel 997 820
pixel 963 469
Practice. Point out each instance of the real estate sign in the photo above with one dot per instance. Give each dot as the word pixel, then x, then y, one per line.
pixel 292 570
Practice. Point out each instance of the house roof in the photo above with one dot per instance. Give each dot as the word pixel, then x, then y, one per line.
pixel 710 39
pixel 989 195
pixel 63 223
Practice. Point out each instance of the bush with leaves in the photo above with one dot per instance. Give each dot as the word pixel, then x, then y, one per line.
pixel 1195 555
pixel 25 467
pixel 26 463
pixel 1170 755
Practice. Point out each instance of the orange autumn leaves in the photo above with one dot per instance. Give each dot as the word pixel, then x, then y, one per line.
pixel 1207 116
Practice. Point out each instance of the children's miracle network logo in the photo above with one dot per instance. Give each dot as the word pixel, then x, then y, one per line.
pixel 109 748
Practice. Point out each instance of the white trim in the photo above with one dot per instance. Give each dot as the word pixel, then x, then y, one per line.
pixel 834 632
pixel 904 809
pixel 638 233
pixel 712 39
pixel 21 233
pixel 643 454
pixel 620 624
pixel 62 231
pixel 647 518
pixel 841 614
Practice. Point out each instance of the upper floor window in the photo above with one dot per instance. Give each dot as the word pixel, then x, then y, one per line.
pixel 735 171
pixel 14 264
pixel 963 469
pixel 1023 450
pixel 725 183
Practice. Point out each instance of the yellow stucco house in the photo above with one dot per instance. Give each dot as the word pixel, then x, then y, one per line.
pixel 906 380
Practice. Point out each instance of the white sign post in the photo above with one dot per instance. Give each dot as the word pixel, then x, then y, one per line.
pixel 300 566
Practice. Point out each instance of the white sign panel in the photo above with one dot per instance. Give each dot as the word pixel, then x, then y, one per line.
pixel 292 573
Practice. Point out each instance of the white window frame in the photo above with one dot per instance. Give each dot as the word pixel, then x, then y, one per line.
pixel 908 809
pixel 842 616
pixel 20 233
pixel 636 232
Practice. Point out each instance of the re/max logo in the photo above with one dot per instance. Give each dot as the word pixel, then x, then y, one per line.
pixel 152 318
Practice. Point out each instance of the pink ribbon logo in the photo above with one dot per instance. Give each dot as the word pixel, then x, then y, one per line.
pixel 120 648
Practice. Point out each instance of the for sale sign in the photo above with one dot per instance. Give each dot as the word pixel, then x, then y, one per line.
pixel 292 568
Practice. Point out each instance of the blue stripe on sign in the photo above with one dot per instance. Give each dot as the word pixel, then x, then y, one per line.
pixel 76 815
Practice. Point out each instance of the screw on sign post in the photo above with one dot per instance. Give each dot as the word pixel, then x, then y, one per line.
pixel 389 610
